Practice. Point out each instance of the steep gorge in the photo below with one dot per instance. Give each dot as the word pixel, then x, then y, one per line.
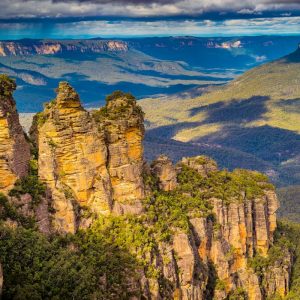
pixel 196 232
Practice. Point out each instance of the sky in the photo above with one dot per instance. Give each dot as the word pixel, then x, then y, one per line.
pixel 136 18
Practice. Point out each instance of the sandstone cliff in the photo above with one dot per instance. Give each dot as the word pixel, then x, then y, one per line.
pixel 123 123
pixel 14 149
pixel 50 47
pixel 196 232
pixel 72 159
pixel 220 249
pixel 90 164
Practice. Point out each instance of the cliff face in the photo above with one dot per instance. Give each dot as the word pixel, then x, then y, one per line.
pixel 14 149
pixel 46 47
pixel 124 129
pixel 219 251
pixel 197 232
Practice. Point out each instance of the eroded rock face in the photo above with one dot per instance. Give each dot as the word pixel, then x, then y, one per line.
pixel 123 123
pixel 165 171
pixel 277 277
pixel 14 149
pixel 72 159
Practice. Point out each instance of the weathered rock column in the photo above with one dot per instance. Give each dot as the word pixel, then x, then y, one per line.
pixel 72 159
pixel 165 171
pixel 123 122
pixel 14 149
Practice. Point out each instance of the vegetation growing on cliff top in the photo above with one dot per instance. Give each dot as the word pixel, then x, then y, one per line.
pixel 7 85
pixel 125 103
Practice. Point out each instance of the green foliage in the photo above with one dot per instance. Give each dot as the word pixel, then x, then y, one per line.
pixel 291 233
pixel 9 212
pixel 239 185
pixel 119 94
pixel 29 185
pixel 39 119
pixel 220 285
pixel 238 294
pixel 286 240
pixel 7 85
pixel 99 114
pixel 86 266
pixel 259 264
pixel 151 181
pixel 118 105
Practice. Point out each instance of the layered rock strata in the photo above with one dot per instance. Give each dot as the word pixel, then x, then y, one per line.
pixel 14 149
pixel 72 159
pixel 123 123
pixel 166 173
pixel 90 164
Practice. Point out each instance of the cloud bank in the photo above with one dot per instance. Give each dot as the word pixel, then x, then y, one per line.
pixel 114 29
pixel 137 8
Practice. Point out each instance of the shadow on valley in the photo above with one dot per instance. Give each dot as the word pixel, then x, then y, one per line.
pixel 262 148
pixel 290 105
pixel 234 111
pixel 268 143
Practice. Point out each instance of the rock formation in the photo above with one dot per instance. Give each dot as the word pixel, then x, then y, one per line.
pixel 201 243
pixel 14 149
pixel 72 159
pixel 165 171
pixel 123 123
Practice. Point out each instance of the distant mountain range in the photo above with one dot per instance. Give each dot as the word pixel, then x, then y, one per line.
pixel 254 119
pixel 146 67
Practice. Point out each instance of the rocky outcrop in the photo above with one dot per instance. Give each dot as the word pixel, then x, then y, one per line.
pixel 91 164
pixel 123 123
pixel 14 149
pixel 202 164
pixel 241 230
pixel 72 159
pixel 278 276
pixel 166 173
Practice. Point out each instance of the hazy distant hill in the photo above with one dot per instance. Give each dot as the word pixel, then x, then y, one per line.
pixel 255 117
pixel 146 67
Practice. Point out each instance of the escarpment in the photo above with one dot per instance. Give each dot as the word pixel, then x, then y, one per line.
pixel 14 149
pixel 187 231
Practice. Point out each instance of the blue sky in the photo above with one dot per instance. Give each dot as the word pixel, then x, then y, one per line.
pixel 133 18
